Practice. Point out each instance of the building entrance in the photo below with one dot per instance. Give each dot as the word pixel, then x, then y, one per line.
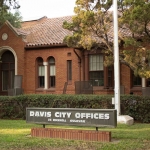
pixel 7 72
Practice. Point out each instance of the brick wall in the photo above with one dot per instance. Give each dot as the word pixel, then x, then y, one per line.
pixel 61 57
pixel 27 66
pixel 125 79
pixel 71 134
pixel 15 43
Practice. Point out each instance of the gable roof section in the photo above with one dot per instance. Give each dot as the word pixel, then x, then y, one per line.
pixel 47 33
pixel 17 31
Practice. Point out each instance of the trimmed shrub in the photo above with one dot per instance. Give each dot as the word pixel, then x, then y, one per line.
pixel 13 107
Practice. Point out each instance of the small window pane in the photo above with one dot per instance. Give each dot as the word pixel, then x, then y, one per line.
pixel 12 75
pixel 52 81
pixel 41 81
pixel 5 66
pixel 52 70
pixel 94 66
pixel 97 78
pixel 51 60
pixel 137 81
pixel 69 70
pixel 12 66
pixel 5 77
pixel 96 62
pixel 41 71
pixel 40 60
pixel 110 77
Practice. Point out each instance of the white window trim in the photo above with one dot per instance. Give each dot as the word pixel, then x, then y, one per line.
pixel 46 76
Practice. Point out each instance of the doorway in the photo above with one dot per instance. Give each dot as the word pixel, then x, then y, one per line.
pixel 7 72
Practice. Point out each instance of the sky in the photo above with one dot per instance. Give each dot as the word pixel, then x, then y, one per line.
pixel 34 9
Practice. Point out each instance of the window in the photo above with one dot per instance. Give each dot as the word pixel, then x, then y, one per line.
pixel 41 73
pixel 136 80
pixel 69 70
pixel 52 72
pixel 148 82
pixel 96 70
pixel 110 76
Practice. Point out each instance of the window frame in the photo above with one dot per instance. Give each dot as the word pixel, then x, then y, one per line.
pixel 41 78
pixel 69 70
pixel 51 77
pixel 9 60
pixel 108 73
pixel 137 78
pixel 95 69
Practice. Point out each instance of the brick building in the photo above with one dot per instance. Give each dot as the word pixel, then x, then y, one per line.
pixel 47 65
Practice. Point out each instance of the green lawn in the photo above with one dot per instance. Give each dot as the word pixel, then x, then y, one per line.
pixel 15 135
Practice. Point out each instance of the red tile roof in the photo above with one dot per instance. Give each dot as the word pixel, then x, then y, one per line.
pixel 29 23
pixel 17 31
pixel 48 32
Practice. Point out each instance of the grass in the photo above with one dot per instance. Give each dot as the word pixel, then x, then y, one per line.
pixel 15 135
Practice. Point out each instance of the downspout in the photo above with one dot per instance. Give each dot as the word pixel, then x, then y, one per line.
pixel 79 62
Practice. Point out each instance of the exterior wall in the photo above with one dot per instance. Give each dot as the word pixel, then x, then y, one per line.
pixel 61 56
pixel 125 78
pixel 103 91
pixel 26 66
pixel 15 43
pixel 126 81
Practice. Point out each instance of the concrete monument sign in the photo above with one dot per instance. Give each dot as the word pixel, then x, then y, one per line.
pixel 72 116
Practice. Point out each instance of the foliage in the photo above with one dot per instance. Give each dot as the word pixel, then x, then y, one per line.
pixel 5 14
pixel 137 20
pixel 7 4
pixel 15 19
pixel 89 22
pixel 137 107
pixel 92 30
pixel 15 106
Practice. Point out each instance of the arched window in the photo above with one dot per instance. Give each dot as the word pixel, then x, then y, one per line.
pixel 41 73
pixel 7 70
pixel 52 72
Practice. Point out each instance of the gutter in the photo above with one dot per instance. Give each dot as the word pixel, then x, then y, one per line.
pixel 44 46
pixel 79 61
pixel 77 56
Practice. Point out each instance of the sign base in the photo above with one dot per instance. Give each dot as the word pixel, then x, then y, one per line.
pixel 72 134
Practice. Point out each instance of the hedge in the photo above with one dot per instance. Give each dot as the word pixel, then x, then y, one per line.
pixel 13 107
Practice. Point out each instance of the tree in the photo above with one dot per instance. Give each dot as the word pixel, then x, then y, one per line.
pixel 92 29
pixel 14 19
pixel 6 4
pixel 137 19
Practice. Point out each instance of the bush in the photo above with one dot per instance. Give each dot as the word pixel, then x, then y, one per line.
pixel 137 107
pixel 15 106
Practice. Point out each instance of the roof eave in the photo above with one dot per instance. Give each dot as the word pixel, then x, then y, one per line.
pixel 44 46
